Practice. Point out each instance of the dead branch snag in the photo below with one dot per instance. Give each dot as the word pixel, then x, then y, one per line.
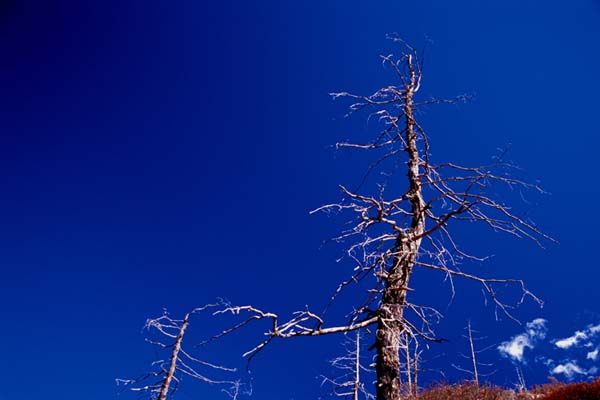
pixel 350 383
pixel 164 388
pixel 472 356
pixel 162 383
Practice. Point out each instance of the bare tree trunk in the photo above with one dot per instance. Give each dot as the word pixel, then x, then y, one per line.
pixel 416 359
pixel 164 389
pixel 357 366
pixel 473 358
pixel 389 330
pixel 409 364
pixel 391 312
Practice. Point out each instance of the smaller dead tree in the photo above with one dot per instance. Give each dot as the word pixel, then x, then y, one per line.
pixel 521 385
pixel 409 346
pixel 473 358
pixel 475 364
pixel 350 384
pixel 164 381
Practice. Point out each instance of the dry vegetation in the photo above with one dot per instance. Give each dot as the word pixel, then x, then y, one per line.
pixel 551 391
pixel 572 391
pixel 466 391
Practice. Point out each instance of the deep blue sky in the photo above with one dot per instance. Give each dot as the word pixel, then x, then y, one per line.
pixel 161 154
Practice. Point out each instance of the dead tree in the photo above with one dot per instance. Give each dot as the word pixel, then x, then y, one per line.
pixel 163 382
pixel 404 225
pixel 474 351
pixel 409 349
pixel 436 195
pixel 350 383
pixel 473 355
pixel 392 236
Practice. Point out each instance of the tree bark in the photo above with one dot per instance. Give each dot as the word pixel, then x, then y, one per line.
pixel 357 366
pixel 391 312
pixel 164 389
pixel 473 358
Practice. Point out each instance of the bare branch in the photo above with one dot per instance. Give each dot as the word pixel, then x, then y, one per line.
pixel 165 379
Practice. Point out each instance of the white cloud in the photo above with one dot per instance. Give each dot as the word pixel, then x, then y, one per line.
pixel 592 355
pixel 582 349
pixel 571 340
pixel 537 328
pixel 578 337
pixel 569 370
pixel 515 347
pixel 594 329
pixel 581 342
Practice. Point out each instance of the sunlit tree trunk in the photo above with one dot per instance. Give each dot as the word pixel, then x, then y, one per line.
pixel 164 389
pixel 391 311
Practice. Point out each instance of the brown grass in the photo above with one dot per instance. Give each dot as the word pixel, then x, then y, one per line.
pixel 466 391
pixel 551 391
pixel 572 391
